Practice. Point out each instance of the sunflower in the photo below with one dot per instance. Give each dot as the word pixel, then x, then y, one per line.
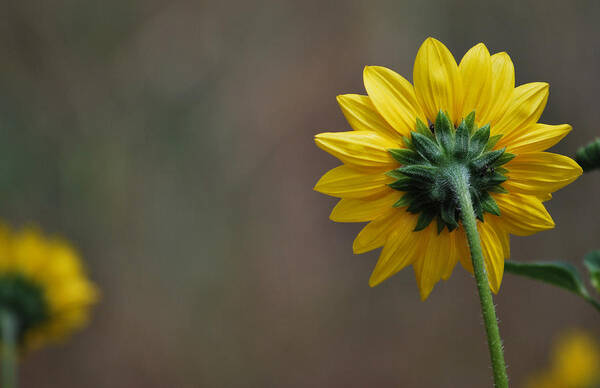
pixel 575 363
pixel 43 286
pixel 407 142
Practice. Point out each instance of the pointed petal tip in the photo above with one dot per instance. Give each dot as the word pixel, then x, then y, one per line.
pixel 374 281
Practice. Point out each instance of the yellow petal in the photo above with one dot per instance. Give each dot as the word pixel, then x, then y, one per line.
pixel 462 250
pixel 476 73
pixel 401 249
pixel 394 97
pixel 534 138
pixel 493 247
pixel 437 81
pixel 452 256
pixel 358 148
pixel 430 268
pixel 362 115
pixel 540 173
pixel 525 109
pixel 358 210
pixel 522 215
pixel 503 84
pixel 376 233
pixel 347 182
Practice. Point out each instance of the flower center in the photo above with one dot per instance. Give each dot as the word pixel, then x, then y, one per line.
pixel 23 298
pixel 433 159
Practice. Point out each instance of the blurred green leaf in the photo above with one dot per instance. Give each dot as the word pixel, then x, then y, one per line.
pixel 592 263
pixel 558 273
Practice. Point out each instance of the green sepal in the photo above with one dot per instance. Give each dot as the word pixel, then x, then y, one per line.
pixel 489 205
pixel 440 224
pixel 424 220
pixel 407 142
pixel 469 122
pixel 479 140
pixel 403 184
pixel 426 147
pixel 423 129
pixel 419 173
pixel 444 131
pixel 592 262
pixel 492 142
pixel 501 170
pixel 505 158
pixel 396 174
pixel 405 156
pixel 448 215
pixel 476 204
pixel 487 159
pixel 461 143
pixel 497 189
pixel 404 201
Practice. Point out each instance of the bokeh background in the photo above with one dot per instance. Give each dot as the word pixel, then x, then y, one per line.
pixel 172 142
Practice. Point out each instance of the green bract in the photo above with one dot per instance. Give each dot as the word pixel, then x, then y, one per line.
pixel 434 156
pixel 24 299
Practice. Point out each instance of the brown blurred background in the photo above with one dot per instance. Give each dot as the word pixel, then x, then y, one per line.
pixel 172 142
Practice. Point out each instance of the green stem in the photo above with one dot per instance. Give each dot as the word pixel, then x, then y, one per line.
pixel 8 329
pixel 461 185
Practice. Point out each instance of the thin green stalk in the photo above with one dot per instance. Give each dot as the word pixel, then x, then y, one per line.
pixel 8 329
pixel 461 185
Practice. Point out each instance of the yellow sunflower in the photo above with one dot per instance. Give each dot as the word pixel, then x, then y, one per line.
pixel 43 287
pixel 575 363
pixel 398 162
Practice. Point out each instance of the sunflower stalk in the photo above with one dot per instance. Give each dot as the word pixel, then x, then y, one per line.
pixel 488 311
pixel 8 329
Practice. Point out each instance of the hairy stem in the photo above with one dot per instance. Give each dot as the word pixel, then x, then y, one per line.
pixel 461 185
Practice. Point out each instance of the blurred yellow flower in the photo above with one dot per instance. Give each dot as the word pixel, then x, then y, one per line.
pixel 43 285
pixel 575 364
pixel 407 144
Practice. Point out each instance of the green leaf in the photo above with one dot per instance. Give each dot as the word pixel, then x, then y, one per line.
pixel 592 263
pixel 558 273
pixel 505 158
